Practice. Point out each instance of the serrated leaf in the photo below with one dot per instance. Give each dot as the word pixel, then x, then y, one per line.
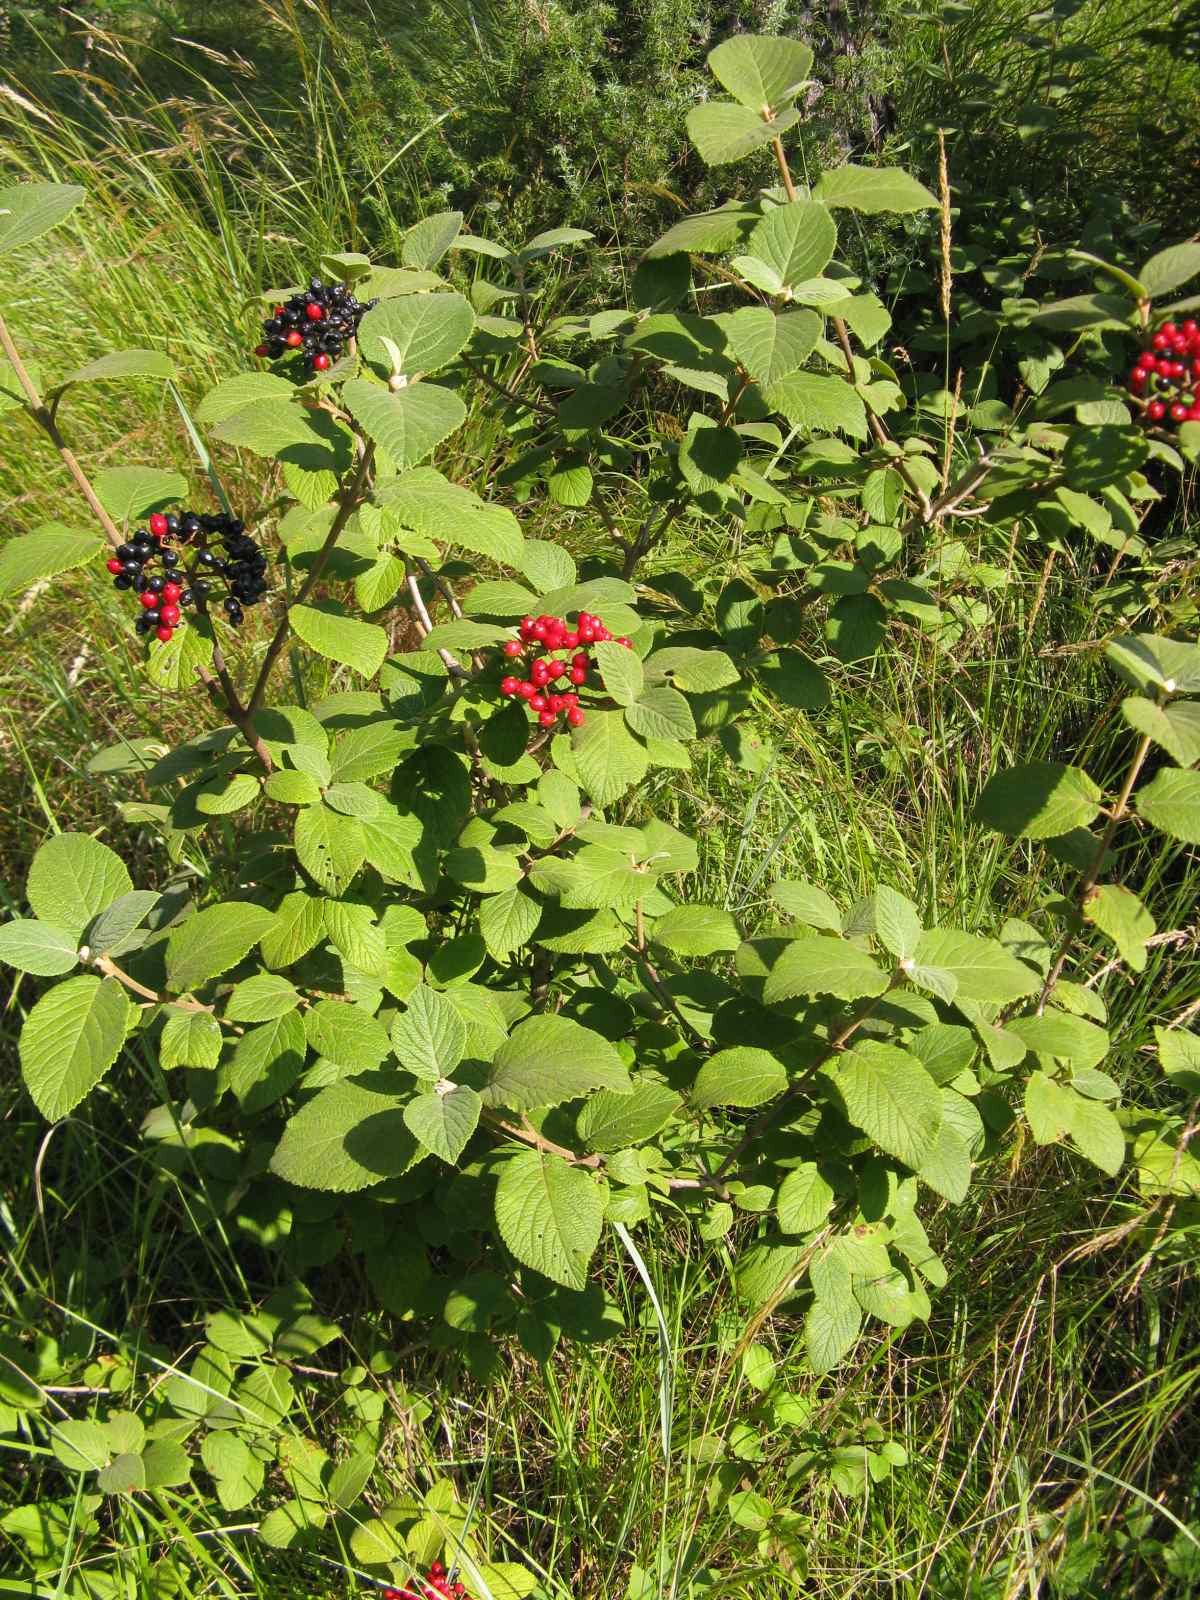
pixel 549 1059
pixel 796 240
pixel 873 189
pixel 189 1039
pixel 706 232
pixel 408 424
pixel 550 1214
pixel 983 970
pixel 761 70
pixel 429 1036
pixel 72 878
pixel 608 759
pixel 794 680
pixel 444 1119
pixel 897 924
pixel 1176 728
pixel 37 948
pixel 620 671
pixel 223 796
pixel 331 848
pixel 296 926
pixel 236 1471
pixel 771 345
pixel 660 713
pixel 425 331
pixel 1056 1033
pixel 693 670
pixel 31 557
pixel 804 1199
pixel 213 940
pixel 508 920
pixel 808 904
pixel 741 1076
pixel 1171 803
pixel 261 998
pixel 128 493
pixel 430 504
pixel 123 364
pixel 427 241
pixel 70 1039
pixel 722 131
pixel 817 966
pixel 1118 912
pixel 818 404
pixel 1170 269
pixel 1038 800
pixel 325 628
pixel 616 1121
pixel 235 394
pixel 267 1061
pixel 830 1331
pixel 27 210
pixel 890 1096
pixel 345 1139
pixel 109 930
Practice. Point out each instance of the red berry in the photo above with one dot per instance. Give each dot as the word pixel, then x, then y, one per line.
pixel 1190 328
pixel 547 718
pixel 314 312
pixel 538 632
pixel 587 635
pixel 578 675
pixel 1156 411
pixel 169 614
pixel 1177 369
pixel 557 669
pixel 1163 368
pixel 580 659
pixel 628 643
pixel 510 686
pixel 570 640
pixel 171 592
pixel 148 600
pixel 537 702
pixel 1146 360
pixel 1169 329
pixel 527 690
pixel 165 634
pixel 1193 414
pixel 512 647
pixel 1178 412
pixel 295 339
pixel 116 566
pixel 540 673
pixel 436 1569
pixel 555 702
pixel 321 362
pixel 261 350
pixel 575 717
pixel 1196 369
pixel 278 311
pixel 569 698
pixel 158 524
pixel 525 627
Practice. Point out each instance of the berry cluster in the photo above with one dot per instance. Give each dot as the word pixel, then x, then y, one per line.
pixel 319 320
pixel 436 1587
pixel 1167 376
pixel 554 634
pixel 180 582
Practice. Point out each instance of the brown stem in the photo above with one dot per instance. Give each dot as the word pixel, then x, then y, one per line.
pixel 425 624
pixel 1088 881
pixel 348 501
pixel 663 995
pixel 110 969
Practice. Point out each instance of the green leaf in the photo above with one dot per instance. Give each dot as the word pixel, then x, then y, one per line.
pixel 261 998
pixel 1169 269
pixel 761 70
pixel 873 189
pixel 408 424
pixel 331 847
pixel 796 241
pixel 794 680
pixel 347 1034
pixel 817 966
pixel 549 1059
pixel 947 1167
pixel 83 1445
pixel 830 1330
pixel 345 1139
pixel 620 671
pixel 128 493
pixel 983 970
pixel 804 1200
pixel 126 1473
pixel 694 930
pixel 236 1471
pixel 508 920
pixel 325 628
pixel 693 670
pixel 429 1036
pixel 659 714
pixel 122 364
pixel 267 1061
pixel 549 1215
pixel 818 404
pixel 30 557
pixel 116 922
pixel 742 1076
pixel 296 926
pixel 176 664
pixel 430 504
pixel 189 1039
pixel 1056 1033
pixel 224 795
pixel 444 1119
pixel 27 210
pixel 357 936
pixel 891 1097
pixel 608 759
pixel 427 241
pixel 235 394
pixel 292 788
pixel 1171 803
pixel 1118 912
pixel 1097 456
pixel 427 331
pixel 1175 727
pixel 897 925
pixel 808 904
pixel 72 878
pixel 769 345
pixel 724 132
pixel 615 1121
pixel 37 947
pixel 213 940
pixel 1038 800
pixel 1096 1131
pixel 70 1039
pixel 707 232
pixel 1150 661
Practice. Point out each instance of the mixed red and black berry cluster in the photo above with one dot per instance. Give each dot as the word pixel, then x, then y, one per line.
pixel 437 1586
pixel 1167 376
pixel 189 576
pixel 319 321
pixel 554 634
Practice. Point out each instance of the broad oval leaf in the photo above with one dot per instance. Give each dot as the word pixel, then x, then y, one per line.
pixel 550 1214
pixel 70 1040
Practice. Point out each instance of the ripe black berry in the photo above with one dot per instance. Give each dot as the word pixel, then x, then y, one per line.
pixel 318 322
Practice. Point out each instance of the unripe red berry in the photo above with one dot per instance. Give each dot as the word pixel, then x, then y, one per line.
pixel 295 339
pixel 261 350
pixel 509 686
pixel 1169 329
pixel 314 312
pixel 1178 412
pixel 537 702
pixel 547 718
pixel 525 627
pixel 1190 328
pixel 148 600
pixel 116 566
pixel 1177 369
pixel 169 614
pixel 527 690
pixel 165 634
pixel 575 717
pixel 1146 360
pixel 158 524
pixel 321 362
pixel 171 592
pixel 628 643
pixel 1156 411
pixel 578 675
pixel 570 640
pixel 512 647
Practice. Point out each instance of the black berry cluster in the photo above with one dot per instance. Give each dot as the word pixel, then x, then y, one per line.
pixel 319 321
pixel 195 574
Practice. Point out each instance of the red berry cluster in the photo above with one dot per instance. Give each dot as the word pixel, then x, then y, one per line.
pixel 319 321
pixel 1167 376
pixel 437 1586
pixel 164 595
pixel 553 634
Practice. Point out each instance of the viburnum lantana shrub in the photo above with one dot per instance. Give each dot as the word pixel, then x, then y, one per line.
pixel 462 1006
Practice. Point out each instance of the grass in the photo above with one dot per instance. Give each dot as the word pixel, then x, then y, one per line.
pixel 1047 1412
